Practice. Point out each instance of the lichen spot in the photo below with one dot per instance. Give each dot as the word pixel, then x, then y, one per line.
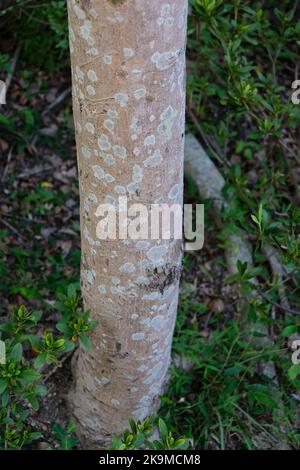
pixel 109 178
pixel 121 99
pixel 112 113
pixel 109 125
pixel 93 13
pixel 102 289
pixel 109 159
pixel 91 90
pixel 136 73
pixel 128 52
pixel 137 174
pixel 140 93
pixel 120 189
pixel 157 322
pixel 103 142
pixel 104 380
pixel 127 268
pixel 119 151
pixel 114 402
pixel 98 172
pixel 174 192
pixel 139 336
pixel 90 128
pixel 107 59
pixel 167 119
pixel 93 51
pixel 156 253
pixel 85 152
pixel 165 19
pixel 115 17
pixel 85 32
pixel 79 12
pixel 92 75
pixel 90 276
pixel 166 59
pixel 142 245
pixel 149 140
pixel 154 160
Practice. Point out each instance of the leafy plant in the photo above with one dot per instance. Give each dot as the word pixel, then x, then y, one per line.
pixel 140 433
pixel 27 354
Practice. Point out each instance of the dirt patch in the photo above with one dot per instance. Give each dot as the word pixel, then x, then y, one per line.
pixel 53 407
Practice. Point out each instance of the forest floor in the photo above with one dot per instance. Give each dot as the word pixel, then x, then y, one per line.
pixel 40 253
pixel 40 243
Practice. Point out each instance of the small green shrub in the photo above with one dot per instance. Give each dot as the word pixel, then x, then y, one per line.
pixel 28 352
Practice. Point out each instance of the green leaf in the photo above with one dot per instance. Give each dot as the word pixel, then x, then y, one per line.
pixel 5 398
pixel 33 401
pixel 35 435
pixel 16 353
pixel 40 360
pixel 58 431
pixel 41 390
pixel 133 425
pixel 265 399
pixel 289 331
pixel 59 343
pixel 68 443
pixel 158 445
pixel 86 342
pixel 69 346
pixel 163 429
pixel 260 212
pixel 71 291
pixel 29 375
pixel 34 341
pixel 294 371
pixel 62 326
pixel 139 441
pixel 37 315
pixel 181 443
pixel 255 219
pixel 3 385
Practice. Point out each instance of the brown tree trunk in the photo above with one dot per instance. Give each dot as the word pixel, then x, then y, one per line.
pixel 128 75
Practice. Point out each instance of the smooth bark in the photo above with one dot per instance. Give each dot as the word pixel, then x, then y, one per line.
pixel 128 76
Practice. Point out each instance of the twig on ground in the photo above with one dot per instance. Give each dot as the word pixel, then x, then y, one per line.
pixel 276 304
pixel 277 270
pixel 9 155
pixel 58 100
pixel 59 365
pixel 13 68
pixel 14 230
pixel 197 124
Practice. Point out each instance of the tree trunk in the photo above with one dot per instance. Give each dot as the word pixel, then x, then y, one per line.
pixel 128 75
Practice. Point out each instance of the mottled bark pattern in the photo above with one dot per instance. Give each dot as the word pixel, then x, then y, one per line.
pixel 128 74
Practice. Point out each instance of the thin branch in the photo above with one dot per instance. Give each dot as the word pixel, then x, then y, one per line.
pixel 14 230
pixel 13 68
